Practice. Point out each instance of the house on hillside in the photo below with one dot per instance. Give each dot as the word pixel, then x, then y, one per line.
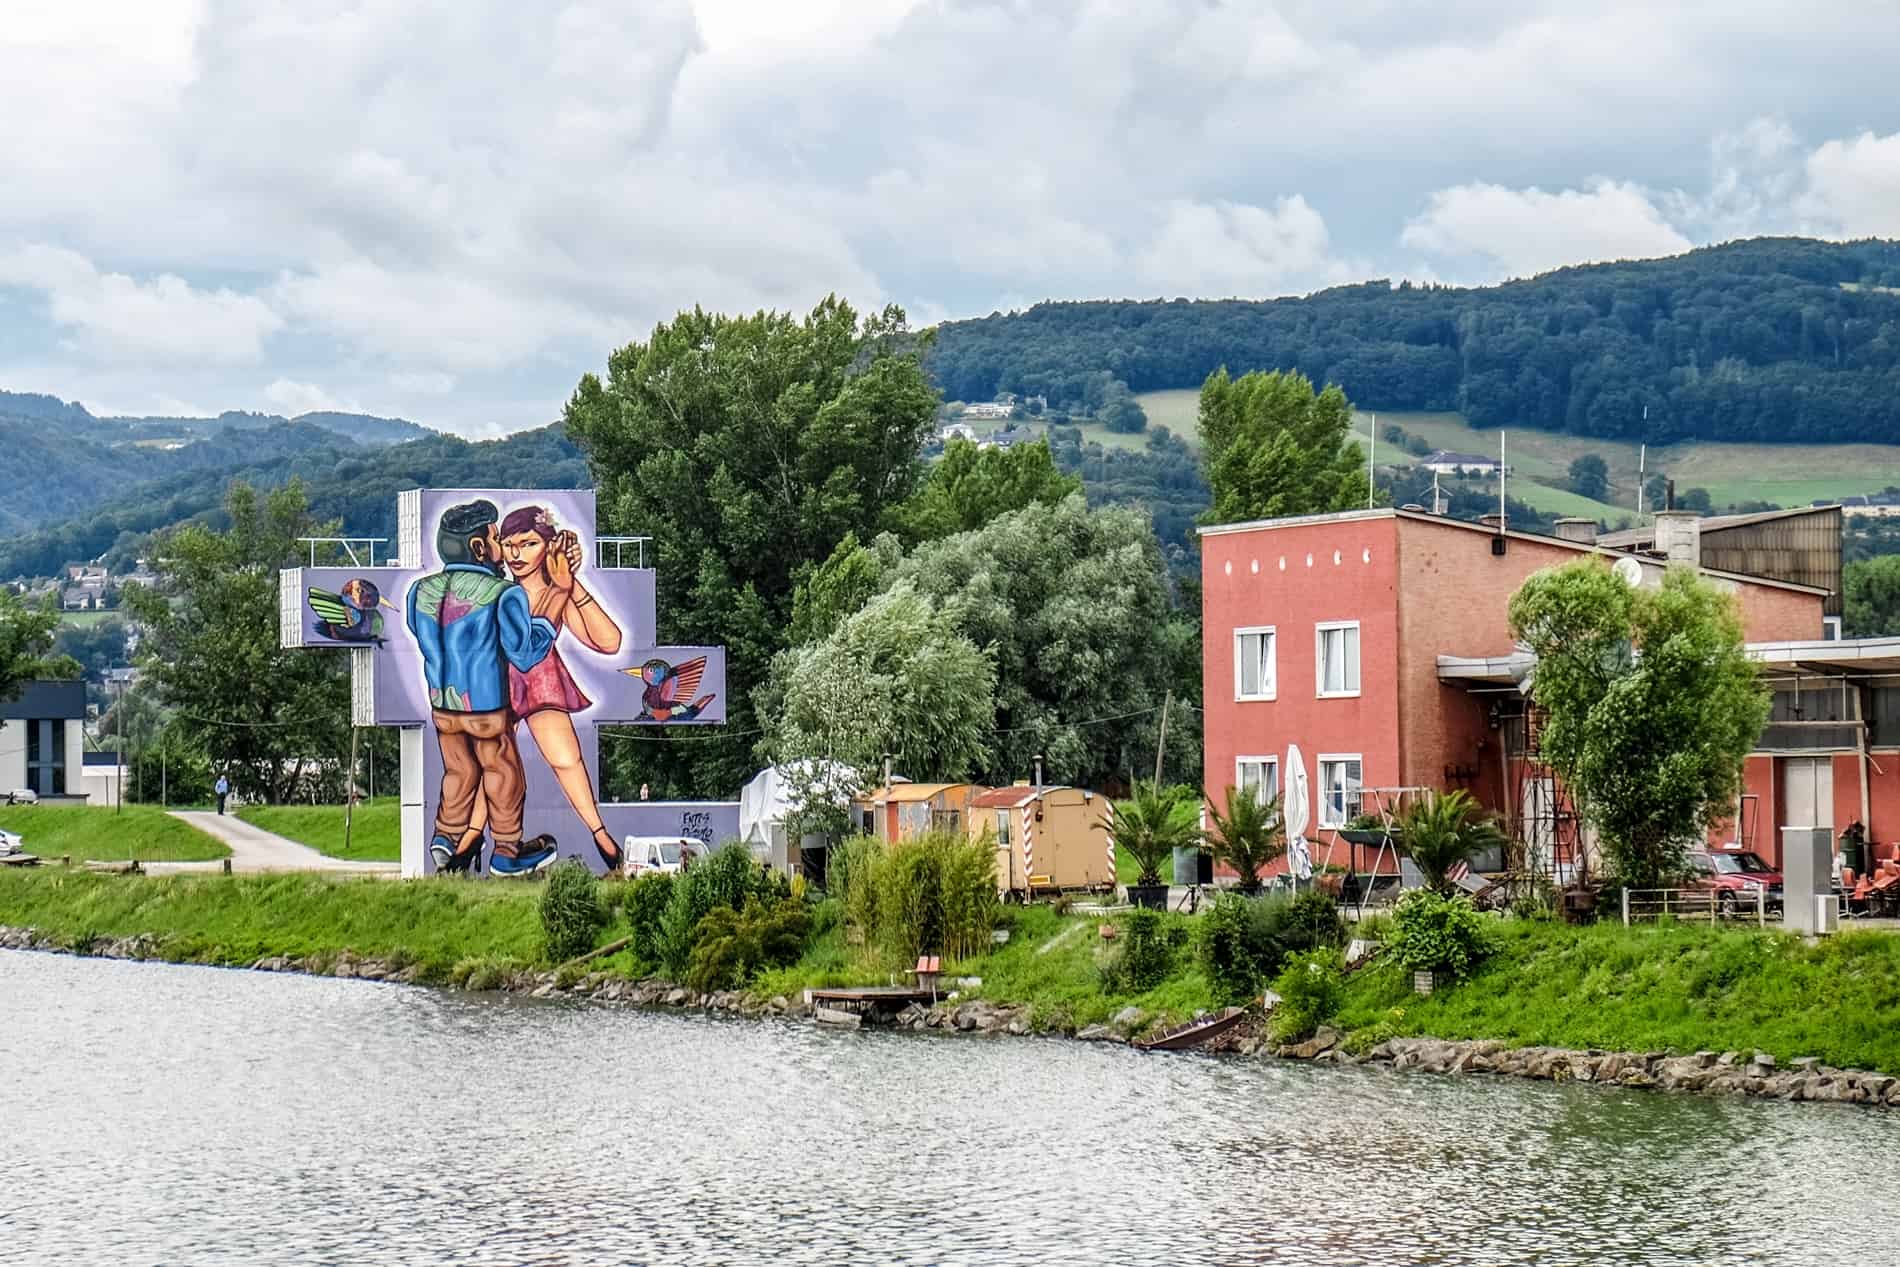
pixel 1008 438
pixel 1865 506
pixel 992 409
pixel 956 431
pixel 1379 641
pixel 1446 462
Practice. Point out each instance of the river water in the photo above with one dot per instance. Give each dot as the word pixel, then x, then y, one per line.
pixel 160 1114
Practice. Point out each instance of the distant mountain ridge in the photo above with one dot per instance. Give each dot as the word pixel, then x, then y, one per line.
pixel 1770 340
pixel 358 428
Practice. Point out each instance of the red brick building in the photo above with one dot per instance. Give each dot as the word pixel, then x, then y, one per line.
pixel 1379 642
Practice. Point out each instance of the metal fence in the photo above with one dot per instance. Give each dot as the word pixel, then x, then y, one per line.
pixel 1710 905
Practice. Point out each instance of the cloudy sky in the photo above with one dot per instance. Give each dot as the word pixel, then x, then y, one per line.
pixel 449 209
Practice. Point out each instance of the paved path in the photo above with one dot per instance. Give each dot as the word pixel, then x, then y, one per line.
pixel 254 849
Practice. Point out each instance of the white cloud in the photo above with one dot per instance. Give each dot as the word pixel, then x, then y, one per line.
pixel 160 319
pixel 1854 186
pixel 290 398
pixel 1226 249
pixel 423 384
pixel 1519 232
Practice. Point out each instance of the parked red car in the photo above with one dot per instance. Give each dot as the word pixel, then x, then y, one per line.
pixel 1735 875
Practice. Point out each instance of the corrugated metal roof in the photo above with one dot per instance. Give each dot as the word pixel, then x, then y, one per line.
pixel 1005 797
pixel 1631 537
pixel 903 792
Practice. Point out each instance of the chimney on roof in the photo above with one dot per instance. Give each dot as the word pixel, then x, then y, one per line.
pixel 1582 531
pixel 1679 536
pixel 1494 521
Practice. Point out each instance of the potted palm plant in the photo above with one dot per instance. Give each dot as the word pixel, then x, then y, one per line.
pixel 1247 836
pixel 1149 825
pixel 1444 829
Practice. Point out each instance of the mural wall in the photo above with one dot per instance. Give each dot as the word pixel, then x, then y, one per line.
pixel 507 641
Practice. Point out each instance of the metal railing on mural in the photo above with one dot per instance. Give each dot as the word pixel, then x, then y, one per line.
pixel 346 546
pixel 620 544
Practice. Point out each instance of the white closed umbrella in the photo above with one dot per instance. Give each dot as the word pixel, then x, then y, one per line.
pixel 1296 808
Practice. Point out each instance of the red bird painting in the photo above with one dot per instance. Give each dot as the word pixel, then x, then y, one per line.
pixel 669 694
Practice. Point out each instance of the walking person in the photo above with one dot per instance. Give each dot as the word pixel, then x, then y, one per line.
pixel 223 789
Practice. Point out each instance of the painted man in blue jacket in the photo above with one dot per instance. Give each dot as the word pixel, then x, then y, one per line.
pixel 471 625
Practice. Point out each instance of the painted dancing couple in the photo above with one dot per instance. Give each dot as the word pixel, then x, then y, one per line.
pixel 487 624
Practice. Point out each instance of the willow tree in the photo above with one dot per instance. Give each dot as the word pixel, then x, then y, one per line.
pixel 1652 704
pixel 1273 447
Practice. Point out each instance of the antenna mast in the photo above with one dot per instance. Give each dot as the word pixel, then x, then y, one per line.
pixel 1502 521
pixel 1372 433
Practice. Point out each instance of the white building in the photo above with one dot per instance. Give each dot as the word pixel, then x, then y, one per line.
pixel 1446 462
pixel 43 740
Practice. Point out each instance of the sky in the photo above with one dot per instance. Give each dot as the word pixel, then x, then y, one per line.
pixel 448 210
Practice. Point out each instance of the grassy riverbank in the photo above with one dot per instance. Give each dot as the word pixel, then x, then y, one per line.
pixel 375 830
pixel 99 834
pixel 1681 987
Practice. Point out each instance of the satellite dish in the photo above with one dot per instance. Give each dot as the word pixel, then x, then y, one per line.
pixel 1628 571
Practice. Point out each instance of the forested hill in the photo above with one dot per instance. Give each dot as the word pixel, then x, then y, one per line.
pixel 347 483
pixel 1773 339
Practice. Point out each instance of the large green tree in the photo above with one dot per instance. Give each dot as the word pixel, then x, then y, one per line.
pixel 27 636
pixel 747 448
pixel 896 677
pixel 969 486
pixel 1871 598
pixel 1273 447
pixel 266 717
pixel 1652 704
pixel 1590 476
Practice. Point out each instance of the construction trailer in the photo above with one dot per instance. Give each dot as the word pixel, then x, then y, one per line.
pixel 902 811
pixel 1048 840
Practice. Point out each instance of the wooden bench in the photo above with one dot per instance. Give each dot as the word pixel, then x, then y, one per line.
pixel 929 968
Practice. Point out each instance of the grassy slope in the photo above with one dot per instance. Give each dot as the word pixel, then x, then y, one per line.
pixel 144 832
pixel 1685 987
pixel 375 832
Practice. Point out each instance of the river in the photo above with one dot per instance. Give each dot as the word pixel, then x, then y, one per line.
pixel 160 1114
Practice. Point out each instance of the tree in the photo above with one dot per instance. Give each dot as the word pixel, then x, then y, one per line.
pixel 263 714
pixel 1590 477
pixel 1652 705
pixel 968 487
pixel 896 677
pixel 1444 829
pixel 1273 448
pixel 1870 593
pixel 747 448
pixel 1151 824
pixel 1249 835
pixel 27 636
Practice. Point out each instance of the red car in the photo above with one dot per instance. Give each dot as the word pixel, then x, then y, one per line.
pixel 1736 875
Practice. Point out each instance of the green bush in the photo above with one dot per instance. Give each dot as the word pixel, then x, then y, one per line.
pixel 1145 956
pixel 1434 933
pixel 1243 941
pixel 733 947
pixel 933 893
pixel 572 913
pixel 1311 992
pixel 725 879
pixel 646 899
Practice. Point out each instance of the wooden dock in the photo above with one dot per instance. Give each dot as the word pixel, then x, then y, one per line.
pixel 895 997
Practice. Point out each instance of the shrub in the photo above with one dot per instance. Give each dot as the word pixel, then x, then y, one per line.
pixel 726 879
pixel 1250 834
pixel 1434 933
pixel 935 892
pixel 1145 956
pixel 733 947
pixel 1244 940
pixel 572 914
pixel 646 900
pixel 1311 992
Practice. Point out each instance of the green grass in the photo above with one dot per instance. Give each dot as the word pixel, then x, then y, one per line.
pixel 375 832
pixel 1177 410
pixel 96 833
pixel 1683 987
pixel 87 618
pixel 238 919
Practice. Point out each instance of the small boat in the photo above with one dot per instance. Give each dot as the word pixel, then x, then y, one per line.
pixel 1194 1033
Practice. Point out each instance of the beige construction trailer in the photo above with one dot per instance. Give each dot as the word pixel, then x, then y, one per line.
pixel 1048 840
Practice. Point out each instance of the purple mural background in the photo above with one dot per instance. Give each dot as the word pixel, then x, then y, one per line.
pixel 605 677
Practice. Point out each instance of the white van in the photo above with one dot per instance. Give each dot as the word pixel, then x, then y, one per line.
pixel 660 853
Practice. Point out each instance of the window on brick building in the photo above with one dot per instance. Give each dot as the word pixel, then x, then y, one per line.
pixel 1337 655
pixel 1340 778
pixel 1259 776
pixel 1253 663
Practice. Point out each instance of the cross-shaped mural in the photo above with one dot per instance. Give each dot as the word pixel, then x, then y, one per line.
pixel 499 642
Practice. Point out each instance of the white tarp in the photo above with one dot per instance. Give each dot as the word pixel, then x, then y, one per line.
pixel 773 794
pixel 1296 807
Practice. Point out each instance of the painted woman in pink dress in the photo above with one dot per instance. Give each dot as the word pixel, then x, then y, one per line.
pixel 533 551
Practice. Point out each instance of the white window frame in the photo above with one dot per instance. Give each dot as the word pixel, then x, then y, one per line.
pixel 1325 796
pixel 1830 628
pixel 1271 667
pixel 1270 768
pixel 1320 631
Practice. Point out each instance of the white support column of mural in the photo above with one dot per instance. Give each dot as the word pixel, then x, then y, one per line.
pixel 498 644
